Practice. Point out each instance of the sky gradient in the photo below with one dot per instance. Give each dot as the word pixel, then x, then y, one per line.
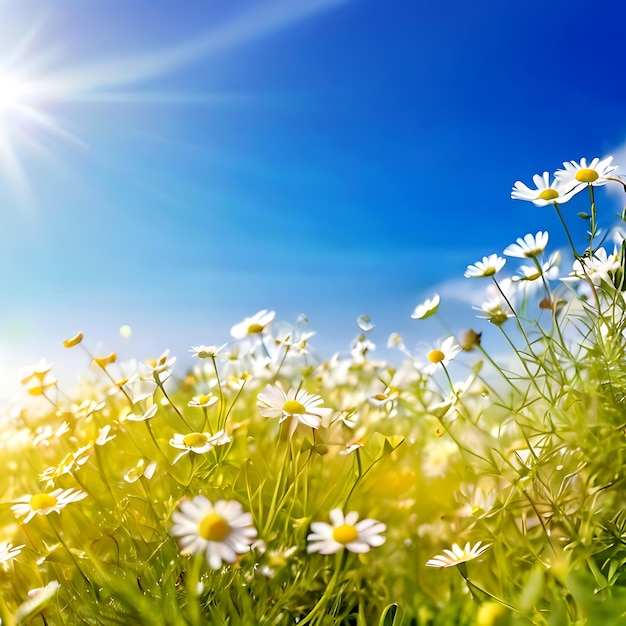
pixel 177 167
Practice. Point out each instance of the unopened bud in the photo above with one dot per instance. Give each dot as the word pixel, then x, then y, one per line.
pixel 470 340
pixel 73 341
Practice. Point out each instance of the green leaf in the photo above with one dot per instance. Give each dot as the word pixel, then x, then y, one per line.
pixel 392 616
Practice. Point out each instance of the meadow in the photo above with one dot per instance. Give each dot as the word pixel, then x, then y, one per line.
pixel 266 486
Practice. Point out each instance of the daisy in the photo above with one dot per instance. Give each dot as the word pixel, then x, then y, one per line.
pixel 577 176
pixel 221 531
pixel 489 266
pixel 345 532
pixel 38 599
pixel 8 551
pixel 198 443
pixel 203 402
pixel 442 354
pixel 148 414
pixel 495 312
pixel 45 503
pixel 426 309
pixel 157 370
pixel 139 471
pixel 364 322
pixel 205 352
pixel 254 325
pixel 597 268
pixel 545 192
pixel 297 405
pixel 528 247
pixel 36 372
pixel 457 555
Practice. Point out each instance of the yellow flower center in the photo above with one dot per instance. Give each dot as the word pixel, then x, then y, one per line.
pixel 586 175
pixel 489 271
pixel 255 328
pixel 436 356
pixel 293 406
pixel 195 440
pixel 549 194
pixel 42 501
pixel 213 527
pixel 345 534
pixel 498 317
pixel 203 399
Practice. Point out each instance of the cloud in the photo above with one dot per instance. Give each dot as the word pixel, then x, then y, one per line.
pixel 262 20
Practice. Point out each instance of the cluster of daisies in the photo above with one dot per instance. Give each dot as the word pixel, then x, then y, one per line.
pixel 222 530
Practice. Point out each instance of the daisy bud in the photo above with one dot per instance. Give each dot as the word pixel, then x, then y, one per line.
pixel 73 341
pixel 470 340
pixel 103 361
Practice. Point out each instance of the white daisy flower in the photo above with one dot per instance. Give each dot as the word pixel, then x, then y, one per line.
pixel 8 551
pixel 598 268
pixel 254 325
pixel 457 555
pixel 545 192
pixel 203 402
pixel 206 352
pixel 528 247
pixel 345 532
pixel 38 599
pixel 364 322
pixel 426 309
pixel 141 470
pixel 45 503
pixel 148 414
pixel 198 443
pixel 297 405
pixel 489 266
pixel 495 311
pixel 221 531
pixel 441 354
pixel 577 175
pixel 157 370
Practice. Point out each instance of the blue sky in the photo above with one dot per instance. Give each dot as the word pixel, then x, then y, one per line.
pixel 179 166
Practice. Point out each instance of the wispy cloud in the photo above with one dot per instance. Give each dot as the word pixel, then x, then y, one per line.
pixel 261 21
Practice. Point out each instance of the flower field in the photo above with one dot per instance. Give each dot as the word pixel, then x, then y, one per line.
pixel 266 486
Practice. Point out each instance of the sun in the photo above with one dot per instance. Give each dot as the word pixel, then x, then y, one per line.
pixel 10 90
pixel 39 76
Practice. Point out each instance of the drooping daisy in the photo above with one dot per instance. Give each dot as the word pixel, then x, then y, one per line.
pixel 457 555
pixel 441 354
pixel 345 532
pixel 296 405
pixel 528 247
pixel 198 443
pixel 255 325
pixel 545 192
pixel 577 175
pixel 45 503
pixel 489 266
pixel 8 551
pixel 426 309
pixel 38 599
pixel 221 531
